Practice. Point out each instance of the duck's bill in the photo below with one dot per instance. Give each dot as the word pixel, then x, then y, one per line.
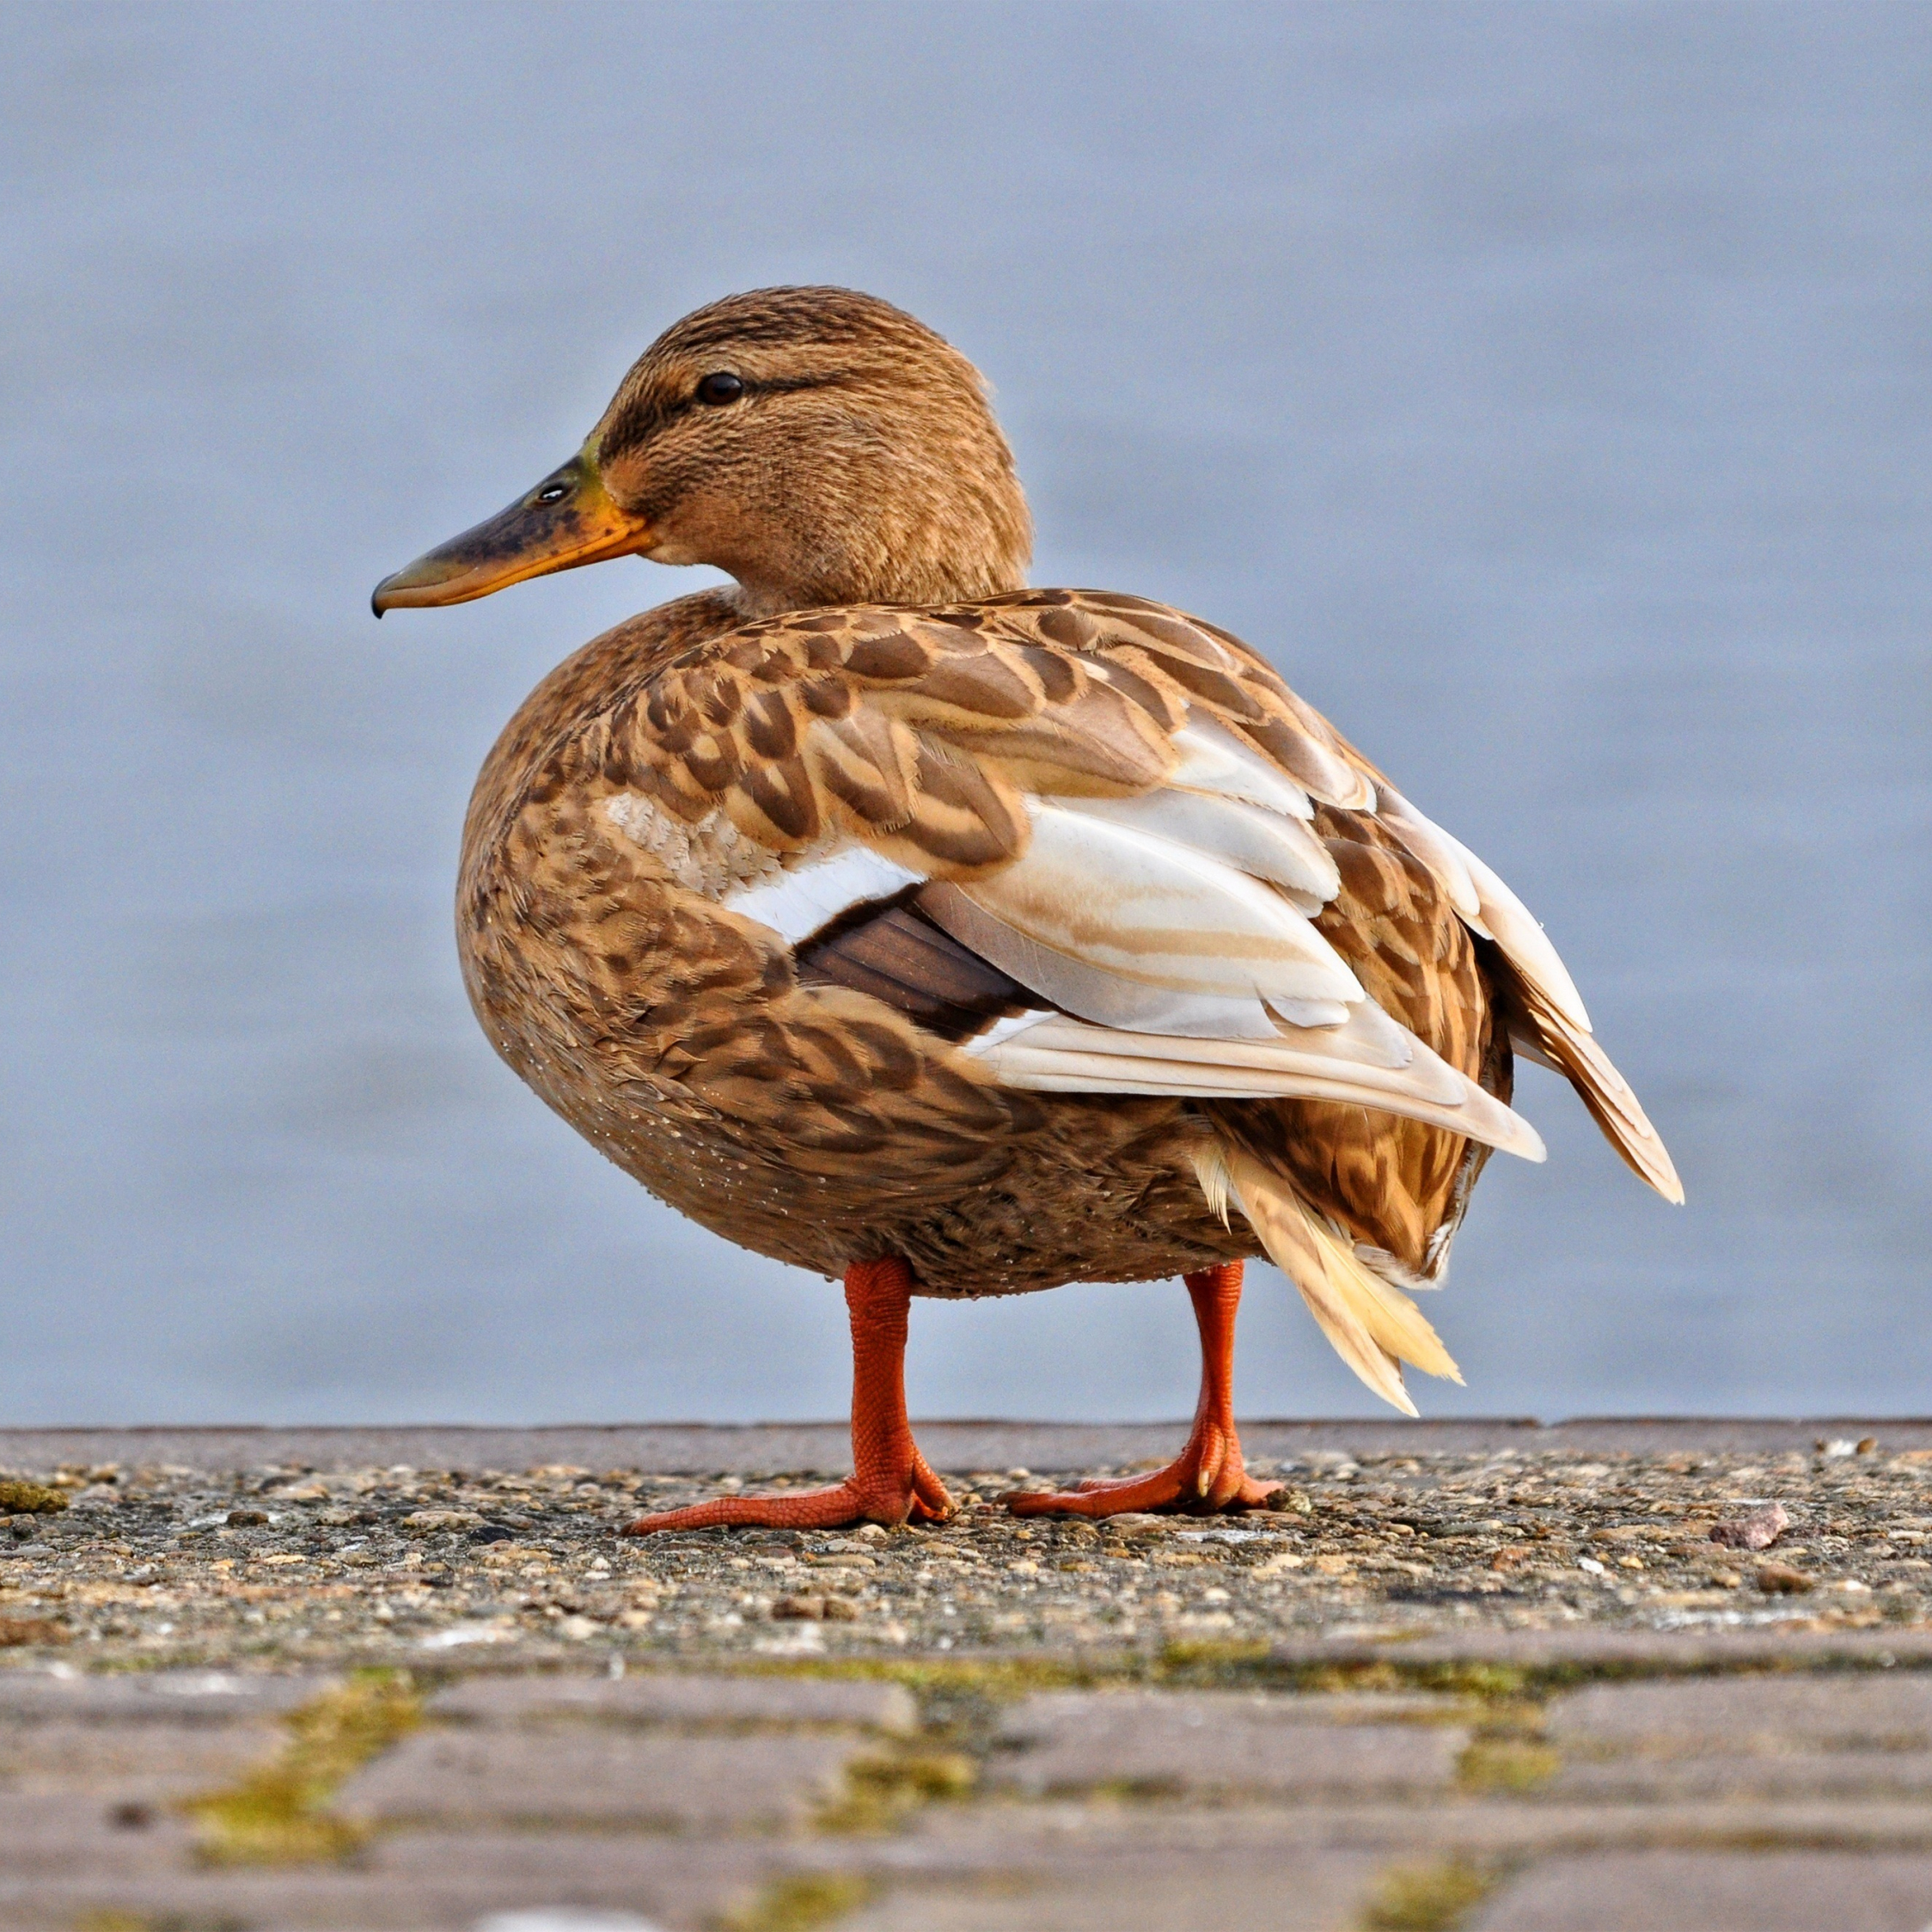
pixel 568 519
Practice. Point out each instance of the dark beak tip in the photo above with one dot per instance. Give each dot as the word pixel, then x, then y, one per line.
pixel 379 597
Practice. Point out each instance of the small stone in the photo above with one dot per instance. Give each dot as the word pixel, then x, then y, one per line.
pixel 433 1522
pixel 1778 1580
pixel 871 1532
pixel 19 1631
pixel 245 1519
pixel 1282 1506
pixel 30 1499
pixel 810 1609
pixel 1757 1531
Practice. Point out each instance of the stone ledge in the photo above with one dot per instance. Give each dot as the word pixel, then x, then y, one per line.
pixel 1537 1555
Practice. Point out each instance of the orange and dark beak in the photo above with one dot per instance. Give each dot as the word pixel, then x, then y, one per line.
pixel 568 519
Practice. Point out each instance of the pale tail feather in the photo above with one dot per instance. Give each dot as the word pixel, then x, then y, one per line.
pixel 1556 1033
pixel 1605 1092
pixel 1485 903
pixel 1371 1323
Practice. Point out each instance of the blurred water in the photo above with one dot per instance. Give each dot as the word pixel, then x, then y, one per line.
pixel 1543 386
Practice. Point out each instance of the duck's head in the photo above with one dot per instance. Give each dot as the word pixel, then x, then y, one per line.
pixel 819 444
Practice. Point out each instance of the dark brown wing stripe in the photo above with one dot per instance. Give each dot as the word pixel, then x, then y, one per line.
pixel 894 953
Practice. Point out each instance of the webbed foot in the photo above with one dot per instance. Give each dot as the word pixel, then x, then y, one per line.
pixel 890 1483
pixel 1208 1476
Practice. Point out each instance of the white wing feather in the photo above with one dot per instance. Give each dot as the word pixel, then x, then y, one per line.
pixel 1213 760
pixel 1125 927
pixel 1266 845
pixel 809 895
pixel 1060 1056
pixel 1485 903
pixel 1174 933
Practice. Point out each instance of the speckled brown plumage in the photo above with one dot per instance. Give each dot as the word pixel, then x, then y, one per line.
pixel 811 1122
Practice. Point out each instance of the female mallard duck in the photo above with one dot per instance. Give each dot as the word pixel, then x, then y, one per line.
pixel 898 921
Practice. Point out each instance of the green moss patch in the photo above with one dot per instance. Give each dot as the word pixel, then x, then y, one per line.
pixel 1433 1897
pixel 1506 1764
pixel 278 1815
pixel 883 1789
pixel 801 1902
pixel 158 1921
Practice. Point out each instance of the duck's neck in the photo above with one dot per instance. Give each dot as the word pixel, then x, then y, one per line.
pixel 911 574
pixel 769 596
pixel 901 546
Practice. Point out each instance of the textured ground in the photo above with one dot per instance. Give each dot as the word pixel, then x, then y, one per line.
pixel 1477 1675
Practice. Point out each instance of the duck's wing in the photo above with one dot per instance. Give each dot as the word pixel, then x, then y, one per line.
pixel 1030 782
pixel 1076 832
pixel 1111 804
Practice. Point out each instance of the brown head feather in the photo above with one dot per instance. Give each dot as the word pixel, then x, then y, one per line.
pixel 859 464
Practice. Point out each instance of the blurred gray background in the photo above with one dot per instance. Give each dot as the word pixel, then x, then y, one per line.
pixel 1543 387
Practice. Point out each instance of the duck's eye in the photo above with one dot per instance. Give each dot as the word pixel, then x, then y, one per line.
pixel 551 493
pixel 720 386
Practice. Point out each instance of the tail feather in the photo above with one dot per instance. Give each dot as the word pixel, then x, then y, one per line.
pixel 1548 1035
pixel 1371 1323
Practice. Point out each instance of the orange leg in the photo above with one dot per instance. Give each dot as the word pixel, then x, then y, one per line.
pixel 1208 1475
pixel 890 1481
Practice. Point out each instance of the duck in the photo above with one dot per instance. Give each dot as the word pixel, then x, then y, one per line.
pixel 949 937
